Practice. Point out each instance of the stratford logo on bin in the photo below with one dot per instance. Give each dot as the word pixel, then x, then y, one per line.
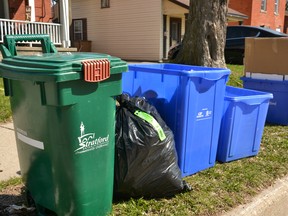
pixel 88 142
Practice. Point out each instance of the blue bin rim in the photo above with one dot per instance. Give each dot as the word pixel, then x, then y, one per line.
pixel 251 97
pixel 209 73
pixel 265 80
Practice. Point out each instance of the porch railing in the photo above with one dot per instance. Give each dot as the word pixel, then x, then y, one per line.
pixel 25 27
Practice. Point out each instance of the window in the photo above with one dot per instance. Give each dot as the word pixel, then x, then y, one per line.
pixel 105 3
pixel 276 8
pixel 79 29
pixel 286 6
pixel 263 5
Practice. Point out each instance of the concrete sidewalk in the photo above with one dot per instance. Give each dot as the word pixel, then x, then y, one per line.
pixel 9 163
pixel 271 202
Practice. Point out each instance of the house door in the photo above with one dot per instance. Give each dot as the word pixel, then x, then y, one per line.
pixel 175 31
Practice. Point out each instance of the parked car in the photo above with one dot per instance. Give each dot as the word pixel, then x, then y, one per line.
pixel 235 42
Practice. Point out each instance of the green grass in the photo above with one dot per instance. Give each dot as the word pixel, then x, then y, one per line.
pixel 9 183
pixel 225 185
pixel 221 187
pixel 236 73
pixel 5 111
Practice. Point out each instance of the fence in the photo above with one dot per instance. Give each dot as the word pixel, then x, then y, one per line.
pixel 25 27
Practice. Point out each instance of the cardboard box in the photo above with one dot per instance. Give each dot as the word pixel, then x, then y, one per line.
pixel 266 55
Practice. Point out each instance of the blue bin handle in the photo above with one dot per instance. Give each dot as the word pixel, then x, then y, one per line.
pixel 208 75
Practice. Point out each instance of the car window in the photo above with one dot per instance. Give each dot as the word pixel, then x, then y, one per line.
pixel 234 32
pixel 239 32
pixel 250 32
pixel 231 33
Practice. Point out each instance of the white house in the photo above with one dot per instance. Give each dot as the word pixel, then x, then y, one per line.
pixel 131 30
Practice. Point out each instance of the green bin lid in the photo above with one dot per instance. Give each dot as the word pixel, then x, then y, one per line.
pixel 59 67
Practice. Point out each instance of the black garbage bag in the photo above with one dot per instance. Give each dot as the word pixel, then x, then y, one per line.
pixel 145 156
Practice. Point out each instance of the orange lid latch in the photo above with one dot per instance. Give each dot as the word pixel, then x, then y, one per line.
pixel 96 70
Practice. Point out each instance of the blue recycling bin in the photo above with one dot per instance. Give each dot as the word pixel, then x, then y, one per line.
pixel 242 124
pixel 190 100
pixel 278 112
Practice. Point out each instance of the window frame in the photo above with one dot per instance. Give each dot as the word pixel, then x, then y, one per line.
pixel 263 5
pixel 83 31
pixel 105 4
pixel 78 29
pixel 276 7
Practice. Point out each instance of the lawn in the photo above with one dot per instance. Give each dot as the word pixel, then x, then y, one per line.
pixel 236 73
pixel 217 189
pixel 226 185
pixel 5 111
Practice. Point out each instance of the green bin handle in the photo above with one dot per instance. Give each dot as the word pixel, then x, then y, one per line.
pixel 8 49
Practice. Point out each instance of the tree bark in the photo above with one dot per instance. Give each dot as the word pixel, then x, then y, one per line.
pixel 205 35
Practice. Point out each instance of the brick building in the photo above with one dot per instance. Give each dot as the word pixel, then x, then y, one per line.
pixel 286 18
pixel 20 10
pixel 265 13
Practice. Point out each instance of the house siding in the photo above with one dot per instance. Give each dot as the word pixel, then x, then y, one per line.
pixel 130 30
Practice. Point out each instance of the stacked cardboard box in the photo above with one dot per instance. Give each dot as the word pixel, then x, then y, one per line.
pixel 266 58
pixel 266 69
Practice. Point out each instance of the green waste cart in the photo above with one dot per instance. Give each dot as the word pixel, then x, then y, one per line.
pixel 63 109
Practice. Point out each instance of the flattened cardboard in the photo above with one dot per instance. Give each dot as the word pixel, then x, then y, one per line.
pixel 266 55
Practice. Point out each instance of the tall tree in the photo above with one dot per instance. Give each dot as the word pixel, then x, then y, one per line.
pixel 205 34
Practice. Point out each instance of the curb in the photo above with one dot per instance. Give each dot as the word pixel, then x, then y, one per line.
pixel 271 202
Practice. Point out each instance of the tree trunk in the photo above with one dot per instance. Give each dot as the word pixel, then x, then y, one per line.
pixel 205 35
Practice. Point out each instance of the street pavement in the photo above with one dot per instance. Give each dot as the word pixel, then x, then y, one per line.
pixel 271 202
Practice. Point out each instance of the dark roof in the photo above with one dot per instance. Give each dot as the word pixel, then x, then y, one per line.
pixel 182 3
pixel 231 13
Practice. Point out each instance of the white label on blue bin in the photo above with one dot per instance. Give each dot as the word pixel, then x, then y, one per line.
pixel 30 141
pixel 205 113
pixel 89 142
